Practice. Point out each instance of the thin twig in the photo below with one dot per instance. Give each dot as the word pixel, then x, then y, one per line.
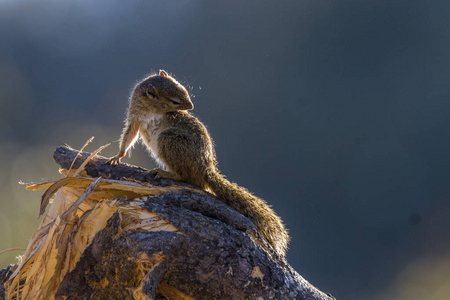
pixel 78 154
pixel 80 200
pixel 12 249
pixel 81 168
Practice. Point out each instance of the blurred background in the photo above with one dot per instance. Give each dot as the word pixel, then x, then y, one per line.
pixel 335 112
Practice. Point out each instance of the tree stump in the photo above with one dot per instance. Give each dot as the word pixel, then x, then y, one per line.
pixel 114 232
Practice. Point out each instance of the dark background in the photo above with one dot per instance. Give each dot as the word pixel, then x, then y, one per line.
pixel 335 112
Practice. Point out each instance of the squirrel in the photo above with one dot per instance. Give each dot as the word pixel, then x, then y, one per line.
pixel 181 145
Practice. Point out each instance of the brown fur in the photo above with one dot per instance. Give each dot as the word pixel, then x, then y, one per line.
pixel 184 148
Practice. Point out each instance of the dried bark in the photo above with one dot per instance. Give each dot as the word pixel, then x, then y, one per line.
pixel 215 253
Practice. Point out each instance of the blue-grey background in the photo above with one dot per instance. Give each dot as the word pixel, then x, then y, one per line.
pixel 335 112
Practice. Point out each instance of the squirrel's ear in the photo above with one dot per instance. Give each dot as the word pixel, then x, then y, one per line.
pixel 151 92
pixel 163 73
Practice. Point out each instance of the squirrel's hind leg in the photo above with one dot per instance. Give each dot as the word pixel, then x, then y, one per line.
pixel 162 174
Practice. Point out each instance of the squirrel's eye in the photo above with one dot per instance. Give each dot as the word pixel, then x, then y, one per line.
pixel 175 101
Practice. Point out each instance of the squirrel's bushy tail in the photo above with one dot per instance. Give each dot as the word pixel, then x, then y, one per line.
pixel 268 223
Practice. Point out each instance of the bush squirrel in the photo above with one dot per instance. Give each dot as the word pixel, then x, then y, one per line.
pixel 180 143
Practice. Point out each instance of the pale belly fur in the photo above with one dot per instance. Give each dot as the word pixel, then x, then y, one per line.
pixel 149 131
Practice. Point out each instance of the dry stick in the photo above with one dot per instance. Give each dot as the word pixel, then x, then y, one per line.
pixel 82 148
pixel 80 200
pixel 12 249
pixel 89 158
pixel 50 192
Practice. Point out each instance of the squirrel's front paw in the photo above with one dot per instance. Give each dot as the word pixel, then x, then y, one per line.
pixel 113 161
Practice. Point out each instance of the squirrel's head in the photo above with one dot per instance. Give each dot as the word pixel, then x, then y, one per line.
pixel 161 93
